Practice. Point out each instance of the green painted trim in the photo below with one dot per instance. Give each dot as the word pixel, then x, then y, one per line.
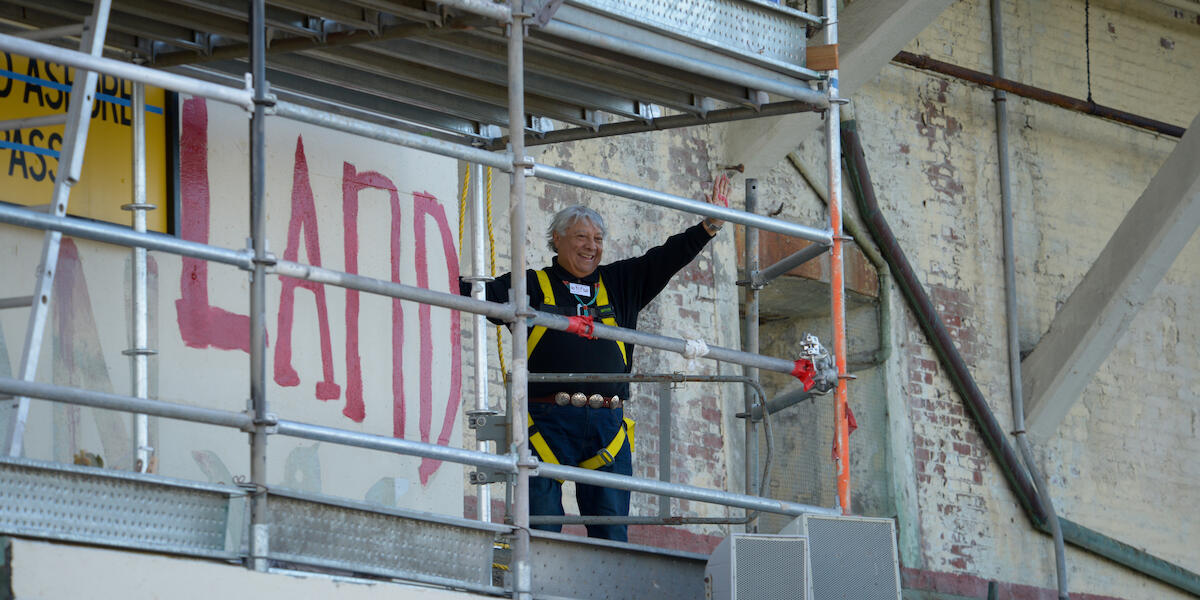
pixel 1124 554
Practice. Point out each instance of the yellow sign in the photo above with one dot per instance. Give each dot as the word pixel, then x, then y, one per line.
pixel 29 157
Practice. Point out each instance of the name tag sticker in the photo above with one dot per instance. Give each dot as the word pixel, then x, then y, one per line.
pixel 581 290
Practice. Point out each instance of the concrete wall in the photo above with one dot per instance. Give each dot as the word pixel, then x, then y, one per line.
pixel 1122 461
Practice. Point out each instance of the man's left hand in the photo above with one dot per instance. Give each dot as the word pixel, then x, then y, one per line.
pixel 719 196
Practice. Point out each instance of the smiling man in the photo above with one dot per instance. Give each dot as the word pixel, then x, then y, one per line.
pixel 583 424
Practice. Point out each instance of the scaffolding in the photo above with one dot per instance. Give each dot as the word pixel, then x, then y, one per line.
pixel 678 61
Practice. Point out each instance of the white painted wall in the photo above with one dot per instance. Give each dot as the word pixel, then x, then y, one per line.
pixel 200 361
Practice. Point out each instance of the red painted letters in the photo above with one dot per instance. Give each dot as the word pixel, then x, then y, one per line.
pixel 304 216
pixel 202 325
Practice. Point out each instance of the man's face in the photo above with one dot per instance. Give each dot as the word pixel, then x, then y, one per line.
pixel 580 247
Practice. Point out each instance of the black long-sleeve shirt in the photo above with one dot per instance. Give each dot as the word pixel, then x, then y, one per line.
pixel 631 284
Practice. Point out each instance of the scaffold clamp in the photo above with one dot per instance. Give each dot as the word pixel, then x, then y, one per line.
pixel 582 326
pixel 805 372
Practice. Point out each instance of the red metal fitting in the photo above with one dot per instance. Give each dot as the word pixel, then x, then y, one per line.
pixel 581 326
pixel 805 372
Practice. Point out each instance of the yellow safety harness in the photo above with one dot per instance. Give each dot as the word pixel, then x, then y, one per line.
pixel 606 455
pixel 603 458
pixel 535 336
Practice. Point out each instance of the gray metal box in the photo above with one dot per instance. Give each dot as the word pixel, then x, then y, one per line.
pixel 851 557
pixel 752 566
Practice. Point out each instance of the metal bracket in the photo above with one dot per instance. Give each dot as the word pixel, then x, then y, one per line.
pixel 486 476
pixel 491 427
pixel 271 420
pixel 545 13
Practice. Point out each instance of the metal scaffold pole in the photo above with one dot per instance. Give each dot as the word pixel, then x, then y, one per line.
pixel 479 329
pixel 140 352
pixel 70 169
pixel 522 578
pixel 751 250
pixel 259 516
pixel 837 272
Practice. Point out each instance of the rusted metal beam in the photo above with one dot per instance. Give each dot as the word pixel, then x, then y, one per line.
pixel 926 63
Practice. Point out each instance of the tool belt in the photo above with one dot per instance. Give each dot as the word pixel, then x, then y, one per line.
pixel 579 400
pixel 603 458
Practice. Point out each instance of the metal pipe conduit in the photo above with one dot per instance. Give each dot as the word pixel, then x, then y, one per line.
pixel 960 376
pixel 705 209
pixel 783 86
pixel 178 83
pixel 679 490
pixel 114 234
pixel 1010 304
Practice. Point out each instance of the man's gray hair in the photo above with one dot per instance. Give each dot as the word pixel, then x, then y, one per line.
pixel 567 217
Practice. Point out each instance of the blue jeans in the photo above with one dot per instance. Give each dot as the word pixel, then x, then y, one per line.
pixel 575 435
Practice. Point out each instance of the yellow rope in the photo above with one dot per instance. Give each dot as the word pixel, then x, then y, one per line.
pixel 492 246
pixel 462 205
pixel 462 217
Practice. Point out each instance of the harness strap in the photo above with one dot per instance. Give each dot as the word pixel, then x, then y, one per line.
pixel 535 336
pixel 608 454
pixel 538 331
pixel 602 300
pixel 603 458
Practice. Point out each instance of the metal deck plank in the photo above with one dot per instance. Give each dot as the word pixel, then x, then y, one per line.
pixel 35 19
pixel 334 10
pixel 179 16
pixel 362 538
pixel 726 32
pixel 71 11
pixel 392 89
pixel 583 568
pixel 277 18
pixel 415 10
pixel 299 44
pixel 117 508
pixel 497 73
pixel 303 90
pixel 447 82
